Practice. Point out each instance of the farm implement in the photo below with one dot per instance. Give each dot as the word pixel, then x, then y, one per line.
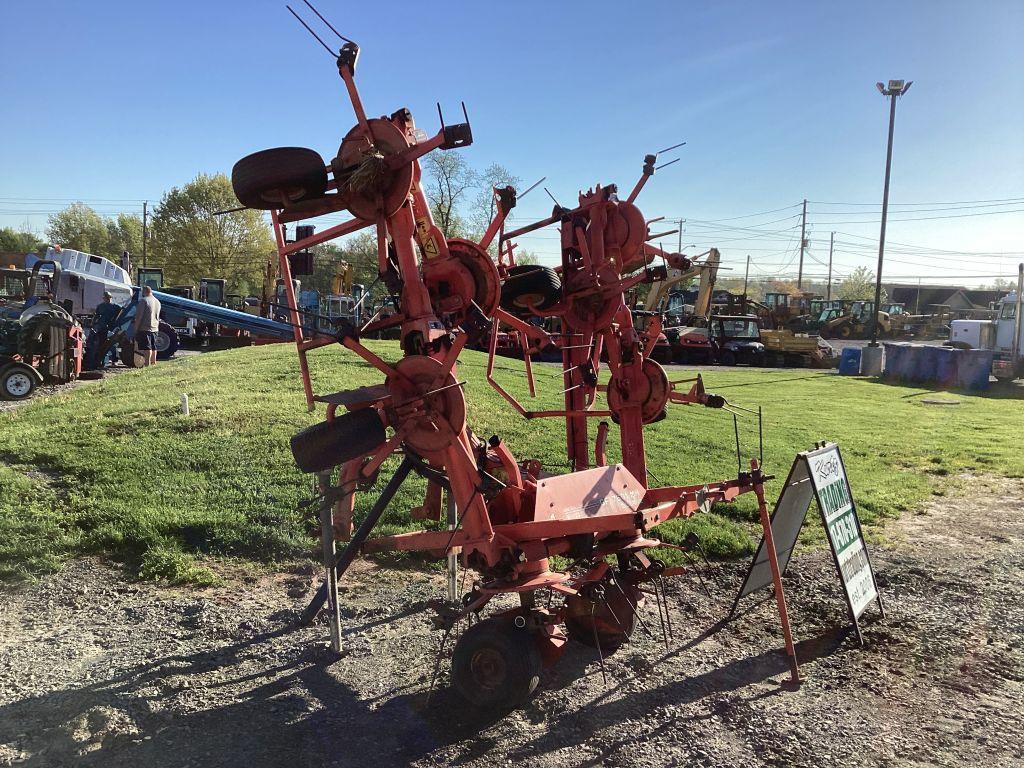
pixel 40 342
pixel 507 519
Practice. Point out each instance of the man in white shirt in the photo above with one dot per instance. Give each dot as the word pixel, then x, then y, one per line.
pixel 147 323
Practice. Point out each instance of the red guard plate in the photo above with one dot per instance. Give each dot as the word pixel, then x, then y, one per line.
pixel 591 493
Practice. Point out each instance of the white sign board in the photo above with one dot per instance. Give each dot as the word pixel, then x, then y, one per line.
pixel 829 478
pixel 819 474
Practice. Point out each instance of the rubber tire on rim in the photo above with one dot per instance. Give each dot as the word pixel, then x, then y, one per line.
pixel 515 664
pixel 728 358
pixel 274 177
pixel 166 331
pixel 844 332
pixel 541 284
pixel 350 436
pixel 10 372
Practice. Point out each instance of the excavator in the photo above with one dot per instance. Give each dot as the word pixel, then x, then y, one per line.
pixel 659 297
pixel 687 340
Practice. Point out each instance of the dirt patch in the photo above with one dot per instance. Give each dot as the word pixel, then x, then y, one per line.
pixel 96 670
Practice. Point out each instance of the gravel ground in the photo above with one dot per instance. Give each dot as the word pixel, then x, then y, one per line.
pixel 96 670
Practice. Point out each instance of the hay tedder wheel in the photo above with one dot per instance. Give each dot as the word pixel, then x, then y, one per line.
pixel 605 623
pixel 363 172
pixel 530 284
pixel 496 665
pixel 652 396
pixel 469 276
pixel 350 436
pixel 276 177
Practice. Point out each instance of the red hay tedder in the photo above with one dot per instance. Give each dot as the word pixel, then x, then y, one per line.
pixel 507 517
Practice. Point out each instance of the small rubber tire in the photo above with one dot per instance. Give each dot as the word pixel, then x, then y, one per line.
pixel 528 284
pixel 496 665
pixel 16 383
pixel 728 358
pixel 350 436
pixel 167 341
pixel 273 178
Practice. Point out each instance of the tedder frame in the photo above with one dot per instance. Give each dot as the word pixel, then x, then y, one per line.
pixel 506 517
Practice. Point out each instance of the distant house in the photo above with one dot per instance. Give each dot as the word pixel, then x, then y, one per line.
pixel 922 299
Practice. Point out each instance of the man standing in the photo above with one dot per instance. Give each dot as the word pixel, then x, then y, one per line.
pixel 147 323
pixel 98 345
pixel 106 313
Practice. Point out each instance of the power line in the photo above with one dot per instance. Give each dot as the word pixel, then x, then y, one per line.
pixel 926 218
pixel 954 202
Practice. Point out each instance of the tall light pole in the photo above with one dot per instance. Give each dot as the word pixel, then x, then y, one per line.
pixel 895 89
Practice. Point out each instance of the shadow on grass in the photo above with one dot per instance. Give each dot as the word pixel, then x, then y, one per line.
pixel 769 382
pixel 997 390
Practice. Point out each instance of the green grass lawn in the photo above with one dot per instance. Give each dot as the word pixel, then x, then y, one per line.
pixel 113 468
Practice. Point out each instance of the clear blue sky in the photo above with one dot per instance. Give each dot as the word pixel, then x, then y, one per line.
pixel 114 102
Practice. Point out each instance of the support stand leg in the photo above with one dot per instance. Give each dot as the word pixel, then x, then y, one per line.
pixel 344 560
pixel 780 597
pixel 329 554
pixel 453 558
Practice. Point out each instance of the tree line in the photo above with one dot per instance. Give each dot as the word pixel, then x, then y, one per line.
pixel 188 240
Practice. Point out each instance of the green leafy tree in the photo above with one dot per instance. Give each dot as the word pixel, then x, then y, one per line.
pixel 79 227
pixel 359 252
pixel 124 233
pixel 525 257
pixel 189 242
pixel 858 285
pixel 20 242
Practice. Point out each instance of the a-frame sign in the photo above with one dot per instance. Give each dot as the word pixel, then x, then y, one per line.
pixel 819 474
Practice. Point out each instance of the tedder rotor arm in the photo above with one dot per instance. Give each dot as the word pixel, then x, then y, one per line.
pixel 506 201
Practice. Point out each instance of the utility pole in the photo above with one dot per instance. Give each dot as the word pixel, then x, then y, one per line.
pixel 803 242
pixel 896 89
pixel 145 230
pixel 746 275
pixel 679 248
pixel 828 289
